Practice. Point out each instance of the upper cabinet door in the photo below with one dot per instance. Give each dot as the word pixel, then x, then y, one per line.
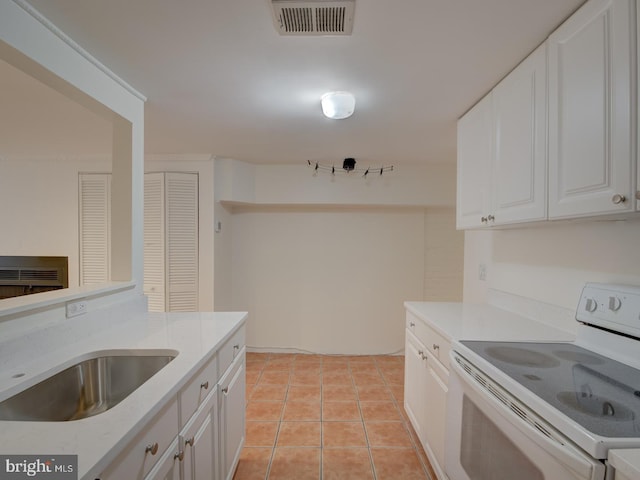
pixel 474 165
pixel 519 184
pixel 590 111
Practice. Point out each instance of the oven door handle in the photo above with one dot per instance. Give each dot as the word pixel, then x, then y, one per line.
pixel 525 420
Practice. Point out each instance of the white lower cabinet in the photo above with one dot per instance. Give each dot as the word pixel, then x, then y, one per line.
pixel 200 433
pixel 199 439
pixel 426 387
pixel 231 391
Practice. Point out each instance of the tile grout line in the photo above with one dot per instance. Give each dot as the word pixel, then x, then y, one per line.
pixel 364 427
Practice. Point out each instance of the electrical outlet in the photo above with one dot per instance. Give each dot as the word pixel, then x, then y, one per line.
pixel 482 272
pixel 76 308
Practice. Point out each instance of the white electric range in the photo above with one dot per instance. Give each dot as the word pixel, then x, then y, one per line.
pixel 549 410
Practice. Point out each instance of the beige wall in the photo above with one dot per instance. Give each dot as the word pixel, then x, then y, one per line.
pixel 325 264
pixel 551 263
pixel 39 214
pixel 334 279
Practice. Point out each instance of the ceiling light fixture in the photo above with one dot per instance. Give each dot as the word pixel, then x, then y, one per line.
pixel 338 105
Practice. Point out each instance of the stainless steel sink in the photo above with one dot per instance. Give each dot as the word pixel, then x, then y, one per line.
pixel 87 388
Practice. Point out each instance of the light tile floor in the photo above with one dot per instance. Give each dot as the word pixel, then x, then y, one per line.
pixel 325 417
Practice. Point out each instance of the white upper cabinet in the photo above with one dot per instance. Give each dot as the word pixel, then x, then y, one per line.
pixel 501 151
pixel 474 165
pixel 519 172
pixel 591 67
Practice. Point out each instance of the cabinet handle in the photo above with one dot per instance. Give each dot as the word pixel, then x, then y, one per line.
pixel 190 441
pixel 225 390
pixel 490 218
pixel 205 385
pixel 436 346
pixel 152 448
pixel 411 324
pixel 617 199
pixel 179 456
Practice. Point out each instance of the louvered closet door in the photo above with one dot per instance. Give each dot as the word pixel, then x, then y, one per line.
pixel 182 241
pixel 95 227
pixel 154 241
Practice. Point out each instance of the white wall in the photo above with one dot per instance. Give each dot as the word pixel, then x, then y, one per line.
pixel 40 207
pixel 325 263
pixel 327 280
pixel 551 263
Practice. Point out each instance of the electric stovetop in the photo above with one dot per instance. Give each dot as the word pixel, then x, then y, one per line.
pixel 599 393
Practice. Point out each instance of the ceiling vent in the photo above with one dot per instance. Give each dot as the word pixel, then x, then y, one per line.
pixel 319 17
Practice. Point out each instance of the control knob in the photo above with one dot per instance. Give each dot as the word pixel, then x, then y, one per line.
pixel 614 304
pixel 591 305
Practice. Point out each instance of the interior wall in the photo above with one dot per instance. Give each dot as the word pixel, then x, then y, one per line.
pixel 40 207
pixel 328 280
pixel 443 256
pixel 551 263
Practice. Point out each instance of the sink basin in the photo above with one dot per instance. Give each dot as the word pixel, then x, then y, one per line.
pixel 87 388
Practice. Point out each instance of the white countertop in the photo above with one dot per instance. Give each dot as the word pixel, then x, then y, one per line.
pixel 98 440
pixel 466 321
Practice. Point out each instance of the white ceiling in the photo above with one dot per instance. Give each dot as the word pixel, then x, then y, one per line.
pixel 220 80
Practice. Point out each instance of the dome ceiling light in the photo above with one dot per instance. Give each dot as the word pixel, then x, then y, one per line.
pixel 338 105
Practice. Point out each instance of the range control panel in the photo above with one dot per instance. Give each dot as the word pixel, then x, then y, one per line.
pixel 616 307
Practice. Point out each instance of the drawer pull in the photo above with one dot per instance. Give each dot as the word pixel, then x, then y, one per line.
pixel 436 346
pixel 151 448
pixel 225 390
pixel 179 456
pixel 617 199
pixel 190 441
pixel 205 385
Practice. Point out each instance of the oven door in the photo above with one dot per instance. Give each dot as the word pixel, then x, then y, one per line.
pixel 492 436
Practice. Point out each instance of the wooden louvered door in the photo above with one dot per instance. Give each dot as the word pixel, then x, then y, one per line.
pixel 154 241
pixel 171 241
pixel 181 242
pixel 95 227
pixel 170 237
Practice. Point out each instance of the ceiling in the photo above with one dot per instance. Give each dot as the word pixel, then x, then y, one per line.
pixel 220 80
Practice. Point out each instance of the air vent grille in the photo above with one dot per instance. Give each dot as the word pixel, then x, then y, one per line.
pixel 514 405
pixel 19 276
pixel 292 17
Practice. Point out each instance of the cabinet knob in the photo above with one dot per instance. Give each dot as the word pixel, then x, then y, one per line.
pixel 225 390
pixel 490 218
pixel 638 195
pixel 411 324
pixel 190 441
pixel 152 448
pixel 236 346
pixel 179 456
pixel 618 199
pixel 483 219
pixel 205 385
pixel 436 346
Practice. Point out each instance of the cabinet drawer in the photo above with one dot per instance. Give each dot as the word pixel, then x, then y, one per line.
pixel 195 392
pixel 230 350
pixel 138 457
pixel 438 345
